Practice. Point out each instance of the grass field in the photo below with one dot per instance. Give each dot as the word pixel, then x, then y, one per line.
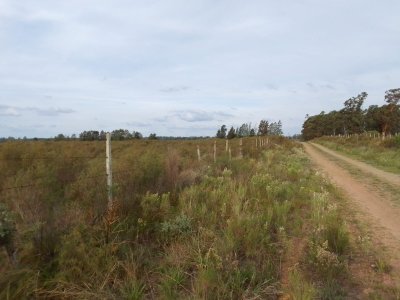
pixel 259 227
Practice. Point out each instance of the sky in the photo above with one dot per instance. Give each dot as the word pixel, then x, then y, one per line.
pixel 184 67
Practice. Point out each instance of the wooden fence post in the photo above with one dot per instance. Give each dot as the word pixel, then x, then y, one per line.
pixel 241 148
pixel 230 154
pixel 226 145
pixel 109 170
pixel 215 151
pixel 198 153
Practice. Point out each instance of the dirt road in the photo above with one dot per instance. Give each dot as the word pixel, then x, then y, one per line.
pixel 389 177
pixel 377 208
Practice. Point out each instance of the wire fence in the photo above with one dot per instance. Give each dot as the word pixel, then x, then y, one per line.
pixel 75 176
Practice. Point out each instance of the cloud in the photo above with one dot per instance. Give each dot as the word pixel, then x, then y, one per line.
pixel 14 111
pixel 9 111
pixel 51 112
pixel 174 89
pixel 138 124
pixel 193 116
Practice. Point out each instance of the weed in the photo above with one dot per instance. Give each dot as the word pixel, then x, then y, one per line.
pixel 299 288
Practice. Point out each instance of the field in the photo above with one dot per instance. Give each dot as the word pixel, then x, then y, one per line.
pixel 261 226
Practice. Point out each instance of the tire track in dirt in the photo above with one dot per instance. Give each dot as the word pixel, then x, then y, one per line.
pixel 383 175
pixel 380 210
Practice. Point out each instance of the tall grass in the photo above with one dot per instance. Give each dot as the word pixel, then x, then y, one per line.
pixel 181 229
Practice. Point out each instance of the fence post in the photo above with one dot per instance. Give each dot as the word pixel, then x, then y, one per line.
pixel 198 153
pixel 226 145
pixel 241 148
pixel 230 154
pixel 215 151
pixel 109 170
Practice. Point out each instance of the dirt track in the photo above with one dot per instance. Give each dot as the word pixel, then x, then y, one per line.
pixel 377 208
pixel 389 177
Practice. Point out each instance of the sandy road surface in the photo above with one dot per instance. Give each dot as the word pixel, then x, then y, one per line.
pixel 386 176
pixel 380 210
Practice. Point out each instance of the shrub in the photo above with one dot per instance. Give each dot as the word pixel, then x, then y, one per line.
pixel 181 225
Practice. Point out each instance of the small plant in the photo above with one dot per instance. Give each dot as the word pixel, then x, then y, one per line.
pixel 299 288
pixel 7 226
pixel 382 266
pixel 331 290
pixel 134 291
pixel 172 281
pixel 181 225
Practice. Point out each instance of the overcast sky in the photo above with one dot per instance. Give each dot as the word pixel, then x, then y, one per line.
pixel 186 67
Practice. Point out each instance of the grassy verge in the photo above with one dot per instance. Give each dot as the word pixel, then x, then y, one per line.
pixel 382 154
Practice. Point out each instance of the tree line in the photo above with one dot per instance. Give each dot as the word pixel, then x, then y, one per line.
pixel 95 135
pixel 246 129
pixel 353 119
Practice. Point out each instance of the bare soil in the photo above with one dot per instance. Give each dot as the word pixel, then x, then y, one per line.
pixel 387 176
pixel 379 211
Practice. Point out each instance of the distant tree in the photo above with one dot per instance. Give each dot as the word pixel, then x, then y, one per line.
pixel 137 135
pixel 121 134
pixel 263 127
pixel 275 128
pixel 231 133
pixel 391 111
pixel 372 118
pixel 392 97
pixel 252 132
pixel 102 135
pixel 353 114
pixel 244 130
pixel 312 127
pixel 91 135
pixel 221 133
pixel 58 137
pixel 152 136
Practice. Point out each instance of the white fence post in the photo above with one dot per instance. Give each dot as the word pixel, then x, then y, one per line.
pixel 241 148
pixel 215 151
pixel 198 153
pixel 109 170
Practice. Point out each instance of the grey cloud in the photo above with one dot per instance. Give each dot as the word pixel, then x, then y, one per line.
pixel 328 86
pixel 271 86
pixel 138 124
pixel 317 86
pixel 9 111
pixel 175 89
pixel 310 85
pixel 193 116
pixel 51 112
pixel 14 111
pixel 199 116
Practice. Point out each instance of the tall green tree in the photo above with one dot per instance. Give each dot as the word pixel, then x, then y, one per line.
pixel 263 127
pixel 275 128
pixel 221 133
pixel 231 133
pixel 353 114
pixel 392 111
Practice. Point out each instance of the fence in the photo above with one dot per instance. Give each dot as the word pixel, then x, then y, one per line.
pixel 372 135
pixel 256 143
